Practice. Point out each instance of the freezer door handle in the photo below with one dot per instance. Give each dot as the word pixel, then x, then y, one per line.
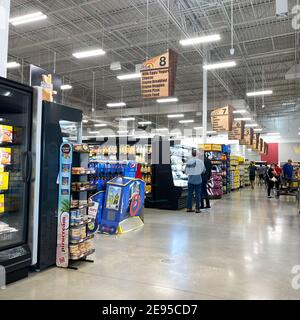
pixel 29 166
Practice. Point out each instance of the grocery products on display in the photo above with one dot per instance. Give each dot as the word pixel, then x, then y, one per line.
pixel 147 177
pixel 75 192
pixel 234 172
pixel 242 171
pixel 247 173
pixel 179 157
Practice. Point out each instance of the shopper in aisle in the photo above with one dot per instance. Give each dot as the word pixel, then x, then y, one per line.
pixel 252 174
pixel 194 169
pixel 206 176
pixel 277 173
pixel 270 178
pixel 288 170
pixel 261 174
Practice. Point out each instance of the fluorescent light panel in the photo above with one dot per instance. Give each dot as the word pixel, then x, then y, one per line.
pixel 170 116
pixel 259 93
pixel 100 125
pixel 241 111
pixel 127 119
pixel 122 131
pixel 167 100
pixel 12 65
pixel 251 125
pixel 242 119
pixel 186 121
pixel 220 65
pixel 32 17
pixel 199 40
pixel 129 76
pixel 94 132
pixel 88 53
pixel 143 123
pixel 162 129
pixel 116 104
pixel 66 87
pixel 273 134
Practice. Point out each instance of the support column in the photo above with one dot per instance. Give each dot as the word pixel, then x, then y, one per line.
pixel 4 29
pixel 204 111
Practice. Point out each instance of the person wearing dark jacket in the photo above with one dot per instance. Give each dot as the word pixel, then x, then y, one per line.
pixel 206 176
pixel 270 179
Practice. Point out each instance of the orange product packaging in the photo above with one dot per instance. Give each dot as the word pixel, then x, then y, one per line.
pixel 6 134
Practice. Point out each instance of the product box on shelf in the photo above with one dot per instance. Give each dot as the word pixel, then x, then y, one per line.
pixel 6 134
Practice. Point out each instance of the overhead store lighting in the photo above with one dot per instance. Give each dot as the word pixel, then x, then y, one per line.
pixel 170 116
pixel 219 65
pixel 144 123
pixel 122 131
pixel 259 93
pixel 162 129
pixel 89 53
pixel 240 111
pixel 12 65
pixel 199 40
pixel 129 76
pixel 258 130
pixel 32 17
pixel 251 125
pixel 66 87
pixel 167 100
pixel 242 119
pixel 116 105
pixel 85 121
pixel 186 121
pixel 127 119
pixel 100 125
pixel 211 132
pixel 273 134
pixel 94 132
pixel 198 128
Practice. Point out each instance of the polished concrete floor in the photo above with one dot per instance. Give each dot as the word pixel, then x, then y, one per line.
pixel 244 249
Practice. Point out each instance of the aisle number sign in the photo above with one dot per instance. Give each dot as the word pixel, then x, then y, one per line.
pixel 256 138
pixel 237 132
pixel 248 136
pixel 261 145
pixel 158 76
pixel 222 119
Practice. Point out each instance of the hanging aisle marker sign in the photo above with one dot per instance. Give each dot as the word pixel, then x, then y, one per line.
pixel 222 119
pixel 158 76
pixel 249 133
pixel 255 141
pixel 237 132
pixel 261 145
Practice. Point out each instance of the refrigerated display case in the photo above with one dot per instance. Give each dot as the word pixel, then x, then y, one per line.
pixel 15 178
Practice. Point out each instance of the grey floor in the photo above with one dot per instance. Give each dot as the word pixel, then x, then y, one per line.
pixel 244 249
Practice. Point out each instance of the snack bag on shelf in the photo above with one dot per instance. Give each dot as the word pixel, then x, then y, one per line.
pixel 1 203
pixel 4 178
pixel 6 134
pixel 5 156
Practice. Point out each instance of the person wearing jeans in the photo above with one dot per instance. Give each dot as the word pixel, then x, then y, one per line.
pixel 270 180
pixel 194 168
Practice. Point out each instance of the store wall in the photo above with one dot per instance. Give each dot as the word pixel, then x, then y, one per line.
pixel 273 154
pixel 289 151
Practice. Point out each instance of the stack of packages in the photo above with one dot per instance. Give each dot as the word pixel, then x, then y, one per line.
pixel 246 174
pixel 215 186
pixel 242 171
pixel 234 172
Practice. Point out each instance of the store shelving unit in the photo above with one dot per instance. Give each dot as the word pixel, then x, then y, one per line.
pixel 169 182
pixel 74 238
pixel 242 171
pixel 234 173
pixel 247 173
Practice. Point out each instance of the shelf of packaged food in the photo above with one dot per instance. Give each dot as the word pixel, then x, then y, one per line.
pixel 82 207
pixel 83 174
pixel 76 225
pixel 82 240
pixel 85 189
pixel 74 258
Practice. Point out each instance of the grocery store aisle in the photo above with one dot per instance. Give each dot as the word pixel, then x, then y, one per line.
pixel 244 249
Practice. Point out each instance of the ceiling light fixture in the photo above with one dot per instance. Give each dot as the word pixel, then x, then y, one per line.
pixel 258 130
pixel 198 128
pixel 251 125
pixel 219 65
pixel 127 119
pixel 116 104
pixel 199 40
pixel 273 134
pixel 242 119
pixel 88 53
pixel 122 131
pixel 144 123
pixel 94 132
pixel 186 121
pixel 85 121
pixel 162 129
pixel 100 125
pixel 66 87
pixel 32 17
pixel 167 100
pixel 12 65
pixel 129 76
pixel 259 93
pixel 241 111
pixel 170 116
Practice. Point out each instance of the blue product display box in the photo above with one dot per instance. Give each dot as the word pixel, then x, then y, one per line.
pixel 124 198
